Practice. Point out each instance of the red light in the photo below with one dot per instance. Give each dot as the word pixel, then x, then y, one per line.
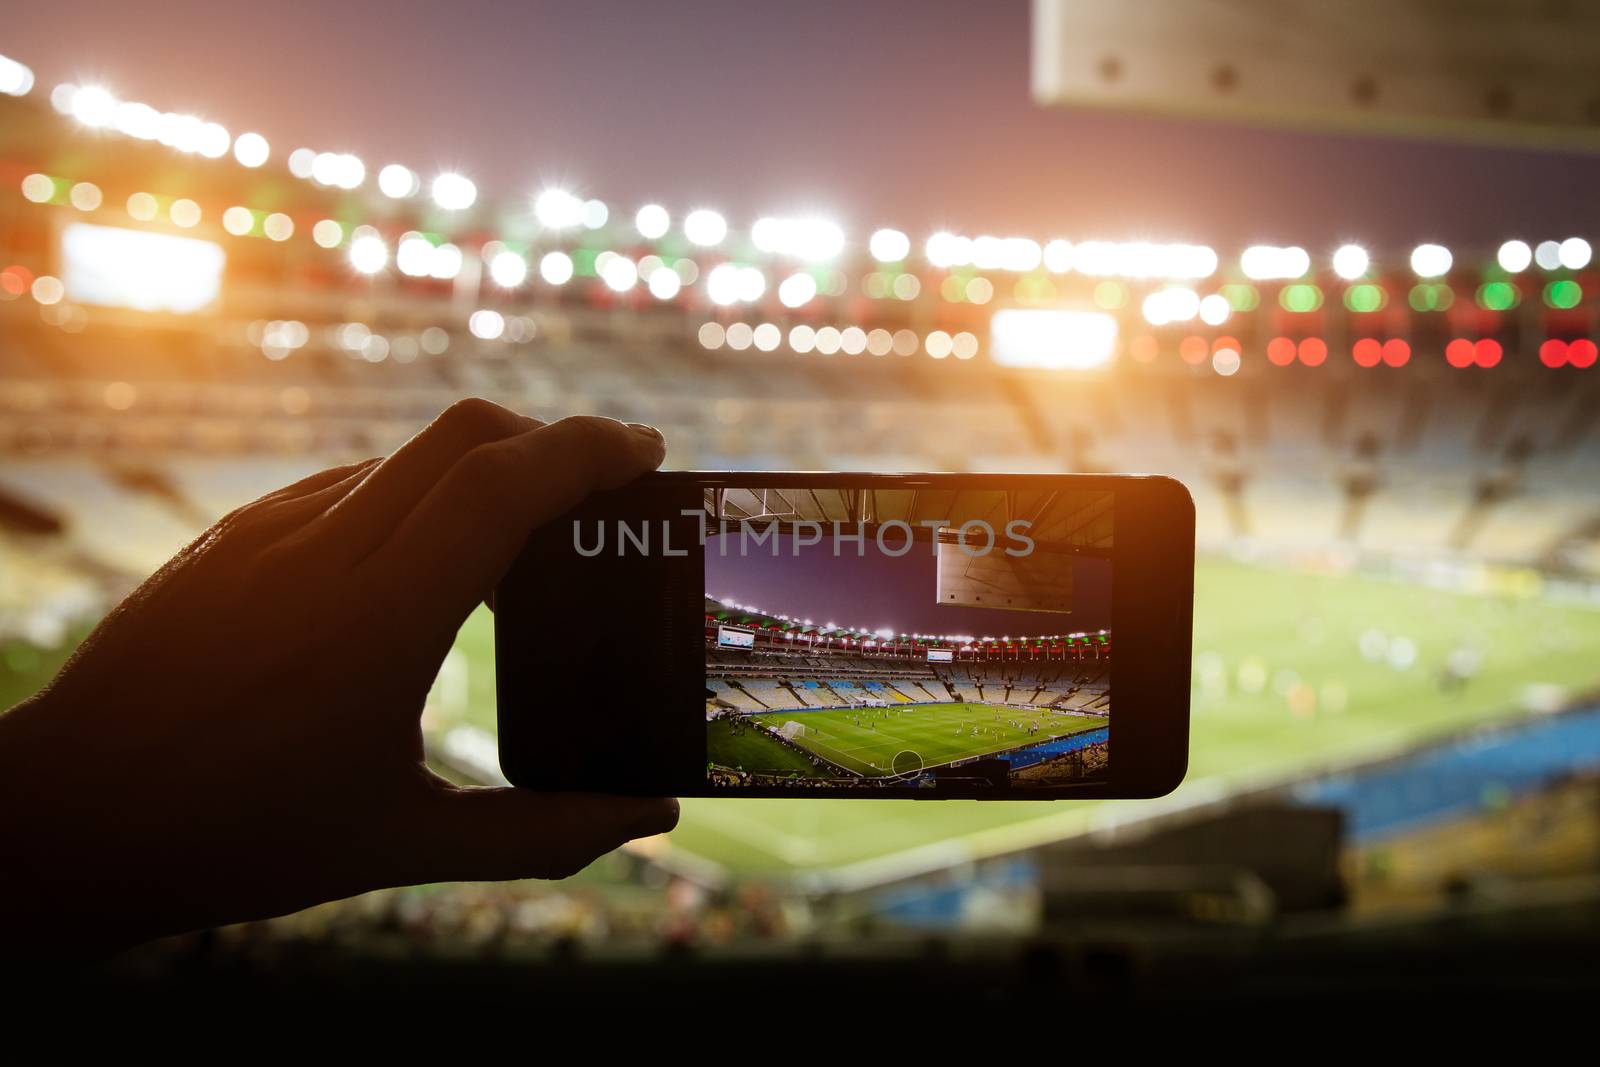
pixel 1144 348
pixel 1367 352
pixel 1582 352
pixel 1553 353
pixel 1193 349
pixel 1226 342
pixel 1487 352
pixel 1280 351
pixel 1313 350
pixel 15 280
pixel 1396 353
pixel 1459 352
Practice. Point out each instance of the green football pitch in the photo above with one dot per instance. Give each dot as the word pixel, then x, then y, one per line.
pixel 877 741
pixel 1295 671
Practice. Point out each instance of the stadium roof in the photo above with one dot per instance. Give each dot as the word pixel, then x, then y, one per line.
pixel 1077 519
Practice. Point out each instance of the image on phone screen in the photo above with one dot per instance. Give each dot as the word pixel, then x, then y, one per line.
pixel 903 639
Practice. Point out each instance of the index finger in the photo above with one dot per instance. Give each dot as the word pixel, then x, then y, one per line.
pixel 455 544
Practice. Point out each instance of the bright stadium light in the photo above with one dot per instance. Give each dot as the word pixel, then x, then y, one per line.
pixel 110 266
pixel 1176 304
pixel 1514 257
pixel 889 246
pixel 486 324
pixel 15 78
pixel 251 149
pixel 705 227
pixel 1575 253
pixel 1052 339
pixel 595 214
pixel 652 221
pixel 213 140
pixel 368 253
pixel 811 239
pixel 722 284
pixel 1058 256
pixel 556 268
pixel 945 249
pixel 1351 262
pixel 453 192
pixel 620 273
pixel 797 290
pixel 508 270
pixel 397 181
pixel 94 106
pixel 664 283
pixel 1267 262
pixel 1430 261
pixel 139 121
pixel 557 209
pixel 1215 309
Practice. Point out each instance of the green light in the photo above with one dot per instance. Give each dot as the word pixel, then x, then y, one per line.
pixel 1300 298
pixel 1241 297
pixel 1563 294
pixel 1110 295
pixel 953 289
pixel 1033 290
pixel 1425 297
pixel 1498 296
pixel 1365 298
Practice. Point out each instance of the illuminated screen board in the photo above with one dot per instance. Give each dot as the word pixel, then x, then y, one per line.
pixel 940 655
pixel 728 637
pixel 113 267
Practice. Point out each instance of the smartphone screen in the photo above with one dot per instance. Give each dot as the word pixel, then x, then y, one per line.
pixel 920 636
pixel 900 640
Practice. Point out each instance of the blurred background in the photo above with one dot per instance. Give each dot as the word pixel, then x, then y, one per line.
pixel 1330 265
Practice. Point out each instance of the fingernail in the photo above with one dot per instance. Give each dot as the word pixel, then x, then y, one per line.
pixel 647 430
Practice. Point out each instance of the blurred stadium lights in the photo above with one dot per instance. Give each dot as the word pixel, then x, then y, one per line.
pixel 556 268
pixel 557 209
pixel 1350 262
pixel 1270 263
pixel 508 269
pixel 1052 339
pixel 705 227
pixel 797 290
pixel 368 253
pixel 16 79
pixel 251 149
pixel 398 181
pixel 811 239
pixel 889 246
pixel 1514 257
pixel 453 192
pixel 1431 261
pixel 652 221
pixel 114 267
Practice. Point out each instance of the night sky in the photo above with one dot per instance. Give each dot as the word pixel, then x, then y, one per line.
pixel 878 590
pixel 912 113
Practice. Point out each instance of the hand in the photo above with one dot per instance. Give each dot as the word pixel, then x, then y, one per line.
pixel 240 737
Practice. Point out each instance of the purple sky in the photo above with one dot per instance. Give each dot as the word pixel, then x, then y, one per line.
pixel 913 113
pixel 878 590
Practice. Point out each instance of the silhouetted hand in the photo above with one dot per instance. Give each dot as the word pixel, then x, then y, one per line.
pixel 240 737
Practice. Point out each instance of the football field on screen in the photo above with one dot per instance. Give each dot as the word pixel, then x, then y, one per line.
pixel 878 741
pixel 1293 671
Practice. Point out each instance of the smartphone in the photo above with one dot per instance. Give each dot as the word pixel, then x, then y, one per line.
pixel 927 636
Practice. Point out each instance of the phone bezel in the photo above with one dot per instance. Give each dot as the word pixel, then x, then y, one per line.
pixel 1152 619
